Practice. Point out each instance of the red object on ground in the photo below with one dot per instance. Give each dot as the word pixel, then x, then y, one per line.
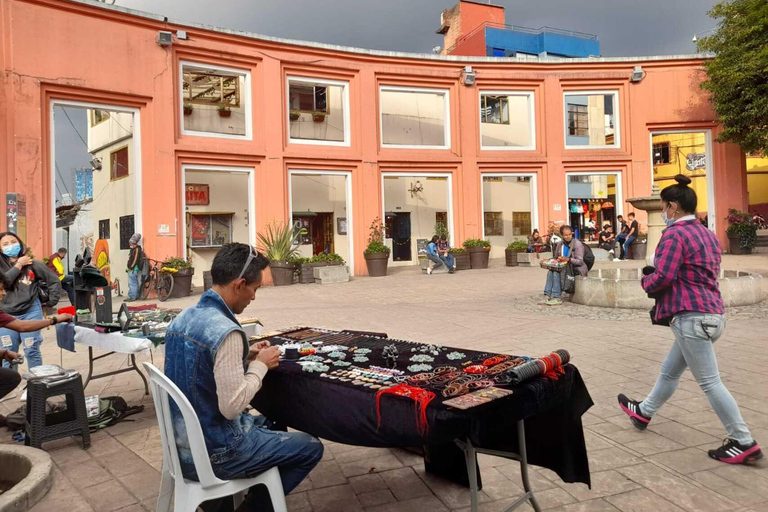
pixel 145 307
pixel 69 310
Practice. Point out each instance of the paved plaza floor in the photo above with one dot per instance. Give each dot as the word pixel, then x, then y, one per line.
pixel 663 469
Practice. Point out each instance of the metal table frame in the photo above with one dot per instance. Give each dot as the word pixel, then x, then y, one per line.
pixel 470 455
pixel 132 366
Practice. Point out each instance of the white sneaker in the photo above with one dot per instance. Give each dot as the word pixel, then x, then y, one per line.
pixel 429 271
pixel 23 396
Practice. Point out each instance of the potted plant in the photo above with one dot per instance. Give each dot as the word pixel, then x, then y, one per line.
pixel 280 245
pixel 479 251
pixel 224 111
pixel 462 258
pixel 441 230
pixel 318 117
pixel 742 232
pixel 182 277
pixel 306 265
pixel 639 248
pixel 512 250
pixel 377 253
pixel 188 108
pixel 294 115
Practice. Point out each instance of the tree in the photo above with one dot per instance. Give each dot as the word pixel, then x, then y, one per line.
pixel 738 74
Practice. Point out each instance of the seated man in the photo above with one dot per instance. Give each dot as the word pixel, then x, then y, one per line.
pixel 443 248
pixel 208 358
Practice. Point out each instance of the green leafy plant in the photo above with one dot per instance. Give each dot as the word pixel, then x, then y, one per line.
pixel 224 108
pixel 518 245
pixel 476 242
pixel 742 226
pixel 330 257
pixel 279 241
pixel 456 250
pixel 442 230
pixel 376 238
pixel 642 237
pixel 736 76
pixel 177 263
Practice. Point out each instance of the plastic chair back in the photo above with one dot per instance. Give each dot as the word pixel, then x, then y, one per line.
pixel 163 389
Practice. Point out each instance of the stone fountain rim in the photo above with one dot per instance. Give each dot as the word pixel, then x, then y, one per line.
pixel 33 487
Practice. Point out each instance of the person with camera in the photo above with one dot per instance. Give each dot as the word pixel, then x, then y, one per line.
pixel 29 285
pixel 684 285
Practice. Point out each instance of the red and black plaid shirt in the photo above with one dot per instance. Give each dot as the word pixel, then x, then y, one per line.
pixel 687 263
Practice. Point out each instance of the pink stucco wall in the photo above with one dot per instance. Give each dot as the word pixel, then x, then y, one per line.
pixel 60 50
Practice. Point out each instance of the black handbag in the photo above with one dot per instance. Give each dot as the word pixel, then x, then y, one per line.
pixel 567 279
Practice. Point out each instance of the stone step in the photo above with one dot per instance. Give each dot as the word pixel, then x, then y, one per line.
pixel 331 275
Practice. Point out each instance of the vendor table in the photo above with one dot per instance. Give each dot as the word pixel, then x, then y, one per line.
pixel 539 423
pixel 120 343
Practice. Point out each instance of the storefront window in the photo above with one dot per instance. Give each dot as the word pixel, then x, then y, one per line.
pixel 591 119
pixel 417 118
pixel 506 120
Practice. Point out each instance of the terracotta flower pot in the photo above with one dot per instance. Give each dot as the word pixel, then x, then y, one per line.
pixel 377 263
pixel 478 256
pixel 225 113
pixel 282 272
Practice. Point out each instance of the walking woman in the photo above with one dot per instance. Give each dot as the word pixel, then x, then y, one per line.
pixel 25 280
pixel 687 263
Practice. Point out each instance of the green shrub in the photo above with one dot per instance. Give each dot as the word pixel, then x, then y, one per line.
pixel 280 241
pixel 476 242
pixel 456 250
pixel 177 263
pixel 518 245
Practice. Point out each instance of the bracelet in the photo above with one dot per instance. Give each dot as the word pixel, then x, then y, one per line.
pixel 53 320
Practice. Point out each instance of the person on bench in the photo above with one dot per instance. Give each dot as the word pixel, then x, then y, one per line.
pixel 433 256
pixel 608 241
pixel 208 358
pixel 631 235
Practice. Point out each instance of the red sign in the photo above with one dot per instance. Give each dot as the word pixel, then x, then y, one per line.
pixel 197 195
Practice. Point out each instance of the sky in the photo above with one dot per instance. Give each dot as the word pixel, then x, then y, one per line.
pixel 624 28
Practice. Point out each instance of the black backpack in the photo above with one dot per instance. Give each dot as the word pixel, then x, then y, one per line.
pixel 589 257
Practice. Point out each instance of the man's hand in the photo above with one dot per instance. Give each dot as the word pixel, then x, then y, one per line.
pixel 270 356
pixel 63 318
pixel 10 356
pixel 23 261
pixel 254 349
pixel 563 259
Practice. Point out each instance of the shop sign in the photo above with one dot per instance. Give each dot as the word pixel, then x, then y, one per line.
pixel 695 161
pixel 197 194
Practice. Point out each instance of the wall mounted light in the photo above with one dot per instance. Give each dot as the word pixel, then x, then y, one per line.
pixel 637 74
pixel 415 188
pixel 468 76
pixel 164 38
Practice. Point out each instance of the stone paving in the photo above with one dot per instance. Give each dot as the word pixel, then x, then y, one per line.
pixel 663 469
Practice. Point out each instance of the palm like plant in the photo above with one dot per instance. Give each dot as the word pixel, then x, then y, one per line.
pixel 279 241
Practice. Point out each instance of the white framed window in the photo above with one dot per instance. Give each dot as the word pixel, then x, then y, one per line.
pixel 507 120
pixel 414 118
pixel 318 111
pixel 215 101
pixel 591 119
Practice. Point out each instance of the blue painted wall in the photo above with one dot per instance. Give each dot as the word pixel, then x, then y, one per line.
pixel 554 44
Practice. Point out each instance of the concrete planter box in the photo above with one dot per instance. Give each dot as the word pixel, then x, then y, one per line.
pixel 306 270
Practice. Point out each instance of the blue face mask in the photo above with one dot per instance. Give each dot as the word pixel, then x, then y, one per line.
pixel 667 220
pixel 12 251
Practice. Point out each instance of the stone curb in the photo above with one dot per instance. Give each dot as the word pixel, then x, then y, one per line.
pixel 33 468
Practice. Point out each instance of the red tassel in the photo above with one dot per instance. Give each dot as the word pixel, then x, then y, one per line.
pixel 420 396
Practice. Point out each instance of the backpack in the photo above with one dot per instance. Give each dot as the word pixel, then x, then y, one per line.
pixel 112 409
pixel 589 257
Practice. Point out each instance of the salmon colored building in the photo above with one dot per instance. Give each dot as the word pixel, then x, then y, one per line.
pixel 230 131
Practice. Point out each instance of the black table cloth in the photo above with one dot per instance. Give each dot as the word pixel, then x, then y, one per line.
pixel 340 412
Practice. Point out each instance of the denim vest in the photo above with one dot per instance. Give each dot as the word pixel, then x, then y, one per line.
pixel 191 343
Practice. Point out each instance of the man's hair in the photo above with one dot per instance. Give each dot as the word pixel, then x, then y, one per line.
pixel 231 259
pixel 631 214
pixel 564 227
pixel 620 217
pixel 62 249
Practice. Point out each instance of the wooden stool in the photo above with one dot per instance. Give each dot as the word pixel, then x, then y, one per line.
pixel 41 427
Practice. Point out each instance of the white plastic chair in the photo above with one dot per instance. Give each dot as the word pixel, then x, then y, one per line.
pixel 188 494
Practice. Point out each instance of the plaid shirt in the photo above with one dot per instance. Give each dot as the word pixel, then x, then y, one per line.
pixel 687 263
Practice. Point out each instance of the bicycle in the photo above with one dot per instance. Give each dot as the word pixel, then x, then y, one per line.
pixel 156 278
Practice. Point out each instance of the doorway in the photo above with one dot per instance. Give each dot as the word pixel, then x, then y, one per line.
pixel 594 199
pixel 398 228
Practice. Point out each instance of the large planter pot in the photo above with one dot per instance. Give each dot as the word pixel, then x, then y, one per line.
pixel 734 246
pixel 282 272
pixel 638 251
pixel 511 257
pixel 478 257
pixel 182 283
pixel 377 263
pixel 225 113
pixel 462 260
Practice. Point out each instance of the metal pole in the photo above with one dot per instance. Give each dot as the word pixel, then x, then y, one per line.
pixel 524 465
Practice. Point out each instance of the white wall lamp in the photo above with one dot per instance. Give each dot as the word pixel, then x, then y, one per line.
pixel 637 74
pixel 468 76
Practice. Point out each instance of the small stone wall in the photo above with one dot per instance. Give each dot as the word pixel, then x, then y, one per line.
pixel 620 288
pixel 30 470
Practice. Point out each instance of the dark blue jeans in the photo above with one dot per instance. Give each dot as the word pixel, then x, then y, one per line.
pixel 620 239
pixel 68 284
pixel 625 247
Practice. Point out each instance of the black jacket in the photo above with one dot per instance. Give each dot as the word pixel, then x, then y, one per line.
pixel 23 286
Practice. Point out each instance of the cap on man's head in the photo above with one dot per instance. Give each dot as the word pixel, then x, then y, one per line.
pixel 135 238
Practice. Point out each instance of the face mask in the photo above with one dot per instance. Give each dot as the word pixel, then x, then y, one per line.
pixel 667 220
pixel 12 251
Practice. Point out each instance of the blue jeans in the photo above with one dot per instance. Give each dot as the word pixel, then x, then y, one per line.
pixel 449 260
pixel 625 247
pixel 133 284
pixel 620 239
pixel 68 284
pixel 30 340
pixel 437 261
pixel 552 288
pixel 695 335
pixel 294 454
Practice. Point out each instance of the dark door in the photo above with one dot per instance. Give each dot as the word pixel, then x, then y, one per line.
pixel 401 237
pixel 322 233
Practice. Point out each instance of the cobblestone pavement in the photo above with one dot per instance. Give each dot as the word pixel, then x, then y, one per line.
pixel 663 469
